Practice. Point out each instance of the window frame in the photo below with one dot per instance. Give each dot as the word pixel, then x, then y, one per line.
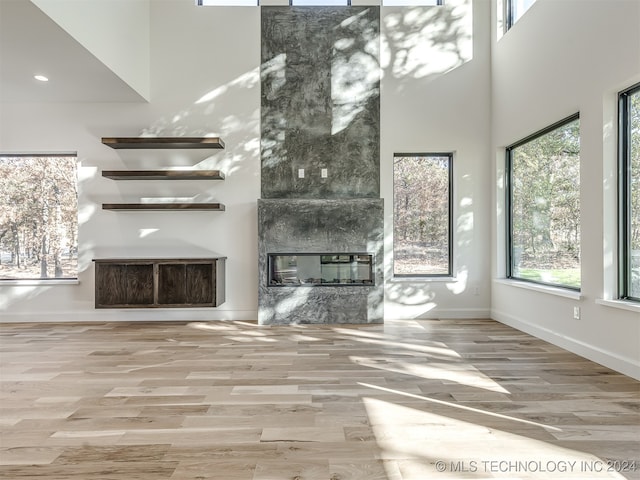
pixel 400 3
pixel 624 194
pixel 50 280
pixel 509 14
pixel 508 183
pixel 450 186
pixel 348 3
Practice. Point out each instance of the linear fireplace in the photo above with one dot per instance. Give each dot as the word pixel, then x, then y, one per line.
pixel 333 247
pixel 309 269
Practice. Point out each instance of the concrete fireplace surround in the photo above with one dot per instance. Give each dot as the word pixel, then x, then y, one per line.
pixel 320 157
pixel 320 226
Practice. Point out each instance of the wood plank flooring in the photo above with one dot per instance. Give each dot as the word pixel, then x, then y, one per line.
pixel 417 399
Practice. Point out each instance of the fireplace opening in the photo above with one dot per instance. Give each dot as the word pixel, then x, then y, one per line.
pixel 320 269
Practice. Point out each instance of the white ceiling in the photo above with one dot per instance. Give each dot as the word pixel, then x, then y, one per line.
pixel 31 43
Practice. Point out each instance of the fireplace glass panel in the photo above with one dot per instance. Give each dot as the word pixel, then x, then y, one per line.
pixel 320 269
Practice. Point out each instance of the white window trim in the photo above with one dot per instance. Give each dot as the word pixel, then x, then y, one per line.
pixel 557 291
pixel 425 279
pixel 621 304
pixel 41 283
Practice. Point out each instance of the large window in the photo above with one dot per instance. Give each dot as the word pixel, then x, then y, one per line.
pixel 38 217
pixel 630 194
pixel 422 199
pixel 543 198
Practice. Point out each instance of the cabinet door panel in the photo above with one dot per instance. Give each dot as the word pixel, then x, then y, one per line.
pixel 140 284
pixel 171 284
pixel 110 284
pixel 200 283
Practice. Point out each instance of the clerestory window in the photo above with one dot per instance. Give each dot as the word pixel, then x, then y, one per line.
pixel 514 9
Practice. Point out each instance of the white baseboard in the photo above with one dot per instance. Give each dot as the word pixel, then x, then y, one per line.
pixel 188 314
pixel 455 313
pixel 626 366
pixel 132 315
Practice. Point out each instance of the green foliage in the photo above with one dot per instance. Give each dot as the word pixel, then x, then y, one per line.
pixel 569 277
pixel 545 201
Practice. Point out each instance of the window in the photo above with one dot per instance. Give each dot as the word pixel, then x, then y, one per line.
pixel 227 3
pixel 514 10
pixel 629 193
pixel 422 217
pixel 543 198
pixel 319 3
pixel 296 3
pixel 38 217
pixel 410 3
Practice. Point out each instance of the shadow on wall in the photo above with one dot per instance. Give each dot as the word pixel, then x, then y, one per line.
pixel 424 42
pixel 320 102
pixel 418 296
pixel 240 133
pixel 417 43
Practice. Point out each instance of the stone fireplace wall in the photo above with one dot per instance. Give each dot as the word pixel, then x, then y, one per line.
pixel 320 113
pixel 320 105
pixel 320 226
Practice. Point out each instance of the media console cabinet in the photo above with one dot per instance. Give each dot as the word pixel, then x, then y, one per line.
pixel 159 282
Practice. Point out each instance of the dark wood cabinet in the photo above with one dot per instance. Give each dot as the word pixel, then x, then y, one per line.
pixel 160 282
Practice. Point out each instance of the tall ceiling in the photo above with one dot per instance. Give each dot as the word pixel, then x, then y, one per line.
pixel 32 43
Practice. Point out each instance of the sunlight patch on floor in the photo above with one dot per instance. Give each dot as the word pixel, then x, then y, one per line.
pixel 422 445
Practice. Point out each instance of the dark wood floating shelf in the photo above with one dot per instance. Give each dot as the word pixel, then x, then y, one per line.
pixel 163 174
pixel 163 142
pixel 163 206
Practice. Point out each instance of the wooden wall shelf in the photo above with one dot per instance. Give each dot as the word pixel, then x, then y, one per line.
pixel 163 142
pixel 217 207
pixel 163 174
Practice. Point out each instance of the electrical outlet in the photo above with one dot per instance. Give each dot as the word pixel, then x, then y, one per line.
pixel 324 172
pixel 301 173
pixel 576 313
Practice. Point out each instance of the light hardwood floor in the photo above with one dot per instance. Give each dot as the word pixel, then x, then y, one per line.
pixel 419 399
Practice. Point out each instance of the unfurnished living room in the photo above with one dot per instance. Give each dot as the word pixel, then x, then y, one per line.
pixel 319 239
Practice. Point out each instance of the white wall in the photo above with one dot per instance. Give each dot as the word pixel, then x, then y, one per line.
pixel 589 51
pixel 436 98
pixel 115 31
pixel 205 81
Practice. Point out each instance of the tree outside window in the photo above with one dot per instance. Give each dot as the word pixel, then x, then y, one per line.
pixel 544 206
pixel 422 219
pixel 630 194
pixel 38 217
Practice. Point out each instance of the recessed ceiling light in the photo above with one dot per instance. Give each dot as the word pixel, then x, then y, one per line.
pixel 41 78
